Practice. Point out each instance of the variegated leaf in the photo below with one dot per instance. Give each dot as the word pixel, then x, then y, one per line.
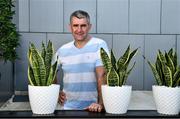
pixel 112 78
pixel 105 60
pixel 156 75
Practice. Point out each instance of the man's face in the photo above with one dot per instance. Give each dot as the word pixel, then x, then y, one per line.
pixel 79 28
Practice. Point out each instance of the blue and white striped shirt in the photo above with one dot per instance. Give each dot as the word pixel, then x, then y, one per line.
pixel 79 79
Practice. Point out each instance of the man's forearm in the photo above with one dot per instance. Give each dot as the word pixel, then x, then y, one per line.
pixel 100 100
pixel 100 73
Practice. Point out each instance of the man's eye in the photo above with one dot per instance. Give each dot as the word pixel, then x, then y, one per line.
pixel 75 25
pixel 83 25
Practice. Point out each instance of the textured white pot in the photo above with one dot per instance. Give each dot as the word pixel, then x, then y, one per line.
pixel 43 99
pixel 166 99
pixel 116 99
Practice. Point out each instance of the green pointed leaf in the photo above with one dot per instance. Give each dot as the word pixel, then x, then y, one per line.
pixel 161 57
pixel 156 75
pixel 132 54
pixel 48 58
pixel 127 74
pixel 175 60
pixel 52 74
pixel 33 64
pixel 105 60
pixel 170 53
pixel 112 78
pixel 158 67
pixel 176 77
pixel 170 63
pixel 121 77
pixel 31 76
pixel 43 52
pixel 167 75
pixel 30 71
pixel 124 59
pixel 113 60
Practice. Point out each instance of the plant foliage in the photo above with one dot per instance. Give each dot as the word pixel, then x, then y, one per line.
pixel 117 70
pixel 166 70
pixel 9 37
pixel 41 71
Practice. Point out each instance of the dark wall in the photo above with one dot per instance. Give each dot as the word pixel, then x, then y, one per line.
pixel 6 80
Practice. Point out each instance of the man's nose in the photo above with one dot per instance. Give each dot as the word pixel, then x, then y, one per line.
pixel 79 28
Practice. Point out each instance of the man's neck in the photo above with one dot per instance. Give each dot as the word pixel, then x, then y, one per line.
pixel 81 44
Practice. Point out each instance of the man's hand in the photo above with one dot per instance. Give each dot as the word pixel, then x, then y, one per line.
pixel 94 107
pixel 62 97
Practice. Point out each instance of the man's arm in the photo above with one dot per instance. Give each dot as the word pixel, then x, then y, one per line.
pixel 62 95
pixel 100 74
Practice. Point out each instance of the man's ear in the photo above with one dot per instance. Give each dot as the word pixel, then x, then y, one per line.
pixel 90 26
pixel 69 28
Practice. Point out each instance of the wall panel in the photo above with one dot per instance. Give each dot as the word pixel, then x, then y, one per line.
pixel 46 15
pixel 23 13
pixel 112 16
pixel 170 17
pixel 144 16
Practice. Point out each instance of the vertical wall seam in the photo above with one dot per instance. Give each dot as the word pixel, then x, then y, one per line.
pixel 46 33
pixel 160 16
pixel 63 17
pixel 144 65
pixel 29 14
pixel 176 48
pixel 96 17
pixel 17 14
pixel 128 16
pixel 112 41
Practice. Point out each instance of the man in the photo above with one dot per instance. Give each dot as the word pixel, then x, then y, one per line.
pixel 82 66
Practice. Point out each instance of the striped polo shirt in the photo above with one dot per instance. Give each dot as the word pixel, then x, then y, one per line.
pixel 78 66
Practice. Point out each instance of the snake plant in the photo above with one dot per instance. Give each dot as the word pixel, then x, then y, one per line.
pixel 166 69
pixel 41 71
pixel 117 70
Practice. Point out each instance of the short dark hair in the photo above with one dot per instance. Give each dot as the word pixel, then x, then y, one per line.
pixel 80 14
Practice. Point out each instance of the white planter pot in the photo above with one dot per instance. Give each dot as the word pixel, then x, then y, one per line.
pixel 43 99
pixel 166 99
pixel 116 99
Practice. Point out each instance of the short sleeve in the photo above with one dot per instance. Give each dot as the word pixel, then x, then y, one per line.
pixel 103 45
pixel 55 58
